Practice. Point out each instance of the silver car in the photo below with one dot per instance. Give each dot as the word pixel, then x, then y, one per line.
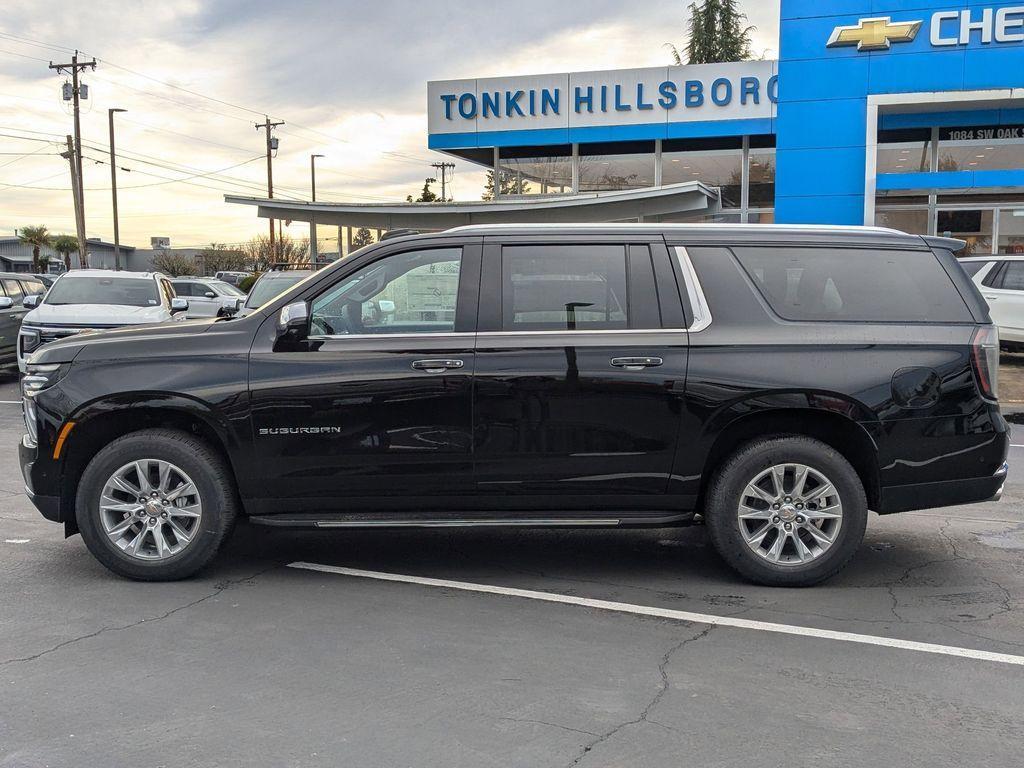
pixel 207 296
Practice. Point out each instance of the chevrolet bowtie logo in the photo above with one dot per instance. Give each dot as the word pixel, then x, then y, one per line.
pixel 874 34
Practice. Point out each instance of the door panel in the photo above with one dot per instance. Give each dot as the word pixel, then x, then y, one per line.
pixel 374 409
pixel 555 416
pixel 1005 297
pixel 572 399
pixel 10 321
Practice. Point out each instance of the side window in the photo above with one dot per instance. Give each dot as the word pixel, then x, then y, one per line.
pixel 13 288
pixel 994 278
pixel 182 288
pixel 1013 276
pixel 854 284
pixel 412 292
pixel 973 267
pixel 168 290
pixel 564 287
pixel 33 287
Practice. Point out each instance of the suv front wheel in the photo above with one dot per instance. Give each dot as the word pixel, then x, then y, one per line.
pixel 786 511
pixel 155 505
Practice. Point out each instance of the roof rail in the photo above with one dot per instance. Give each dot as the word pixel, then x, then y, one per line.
pixel 398 233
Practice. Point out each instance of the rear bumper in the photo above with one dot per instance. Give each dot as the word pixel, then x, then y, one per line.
pixel 948 493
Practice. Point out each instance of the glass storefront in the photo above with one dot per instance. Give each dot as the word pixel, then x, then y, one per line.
pixel 981 148
pixel 1011 231
pixel 907 151
pixel 761 172
pixel 616 165
pixel 536 170
pixel 914 221
pixel 714 162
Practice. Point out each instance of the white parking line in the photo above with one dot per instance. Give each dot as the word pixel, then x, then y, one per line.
pixel 667 613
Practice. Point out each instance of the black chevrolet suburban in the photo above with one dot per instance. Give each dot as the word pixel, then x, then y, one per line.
pixel 774 382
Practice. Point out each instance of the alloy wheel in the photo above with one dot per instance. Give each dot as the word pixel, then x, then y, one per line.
pixel 150 509
pixel 790 514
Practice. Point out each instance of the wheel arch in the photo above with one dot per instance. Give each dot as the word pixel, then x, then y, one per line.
pixel 101 422
pixel 840 432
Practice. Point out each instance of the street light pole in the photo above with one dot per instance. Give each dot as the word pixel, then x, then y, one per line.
pixel 313 249
pixel 113 187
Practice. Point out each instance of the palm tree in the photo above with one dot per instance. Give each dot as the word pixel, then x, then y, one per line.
pixel 65 245
pixel 37 237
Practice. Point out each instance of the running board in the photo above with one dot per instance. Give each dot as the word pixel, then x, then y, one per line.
pixel 342 521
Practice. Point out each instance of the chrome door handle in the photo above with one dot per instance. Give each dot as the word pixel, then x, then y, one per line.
pixel 636 363
pixel 437 366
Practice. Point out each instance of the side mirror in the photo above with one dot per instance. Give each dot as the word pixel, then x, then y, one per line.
pixel 178 304
pixel 387 307
pixel 293 319
pixel 6 302
pixel 230 308
pixel 31 302
pixel 210 295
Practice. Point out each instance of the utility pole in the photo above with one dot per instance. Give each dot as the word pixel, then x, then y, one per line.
pixel 443 168
pixel 314 251
pixel 74 67
pixel 271 147
pixel 113 188
pixel 79 219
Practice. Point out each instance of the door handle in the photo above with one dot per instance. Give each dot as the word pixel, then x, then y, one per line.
pixel 636 363
pixel 437 366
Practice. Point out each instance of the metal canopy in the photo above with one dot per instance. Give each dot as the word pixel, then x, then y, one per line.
pixel 673 202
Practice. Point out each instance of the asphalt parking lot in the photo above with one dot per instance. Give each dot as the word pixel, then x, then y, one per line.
pixel 257 663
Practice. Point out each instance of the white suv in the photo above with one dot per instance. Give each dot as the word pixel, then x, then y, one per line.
pixel 94 299
pixel 207 296
pixel 1001 281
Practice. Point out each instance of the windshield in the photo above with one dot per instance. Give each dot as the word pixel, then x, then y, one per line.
pixel 267 288
pixel 225 289
pixel 121 291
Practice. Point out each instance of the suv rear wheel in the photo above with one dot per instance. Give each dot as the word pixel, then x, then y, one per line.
pixel 786 511
pixel 155 505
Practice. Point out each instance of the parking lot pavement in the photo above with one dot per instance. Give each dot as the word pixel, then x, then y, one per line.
pixel 256 663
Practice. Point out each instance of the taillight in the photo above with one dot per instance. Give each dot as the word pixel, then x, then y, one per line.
pixel 985 360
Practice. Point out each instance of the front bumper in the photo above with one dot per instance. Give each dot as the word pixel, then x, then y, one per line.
pixel 48 506
pixel 948 493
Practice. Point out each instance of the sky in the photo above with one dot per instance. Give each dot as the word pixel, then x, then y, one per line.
pixel 347 78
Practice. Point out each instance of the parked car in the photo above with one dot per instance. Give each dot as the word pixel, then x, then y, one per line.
pixel 207 296
pixel 96 299
pixel 272 283
pixel 46 278
pixel 1001 280
pixel 234 278
pixel 778 382
pixel 14 287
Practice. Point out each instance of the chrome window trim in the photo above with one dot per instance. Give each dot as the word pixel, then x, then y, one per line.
pixel 412 335
pixel 485 334
pixel 698 303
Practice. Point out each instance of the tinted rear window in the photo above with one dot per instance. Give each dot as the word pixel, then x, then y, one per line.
pixel 973 267
pixel 854 284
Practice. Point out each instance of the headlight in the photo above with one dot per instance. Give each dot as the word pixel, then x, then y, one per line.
pixel 40 377
pixel 29 339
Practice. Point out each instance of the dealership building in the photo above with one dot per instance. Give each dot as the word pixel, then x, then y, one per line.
pixel 901 113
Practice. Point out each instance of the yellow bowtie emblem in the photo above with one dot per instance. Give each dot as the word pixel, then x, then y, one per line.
pixel 874 34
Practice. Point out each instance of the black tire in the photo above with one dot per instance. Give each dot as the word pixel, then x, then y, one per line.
pixel 727 487
pixel 209 473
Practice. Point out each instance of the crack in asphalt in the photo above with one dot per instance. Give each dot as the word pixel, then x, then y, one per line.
pixel 643 716
pixel 218 589
pixel 1004 604
pixel 550 725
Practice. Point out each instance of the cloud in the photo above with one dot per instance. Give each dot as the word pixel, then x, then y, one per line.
pixel 349 79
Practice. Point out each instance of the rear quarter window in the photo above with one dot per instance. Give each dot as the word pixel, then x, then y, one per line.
pixel 854 284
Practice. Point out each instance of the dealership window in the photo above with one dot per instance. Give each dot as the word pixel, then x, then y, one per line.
pixel 714 162
pixel 981 148
pixel 975 227
pixel 616 165
pixel 1011 231
pixel 761 173
pixel 904 151
pixel 914 221
pixel 535 170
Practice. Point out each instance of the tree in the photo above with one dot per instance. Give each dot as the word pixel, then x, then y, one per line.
pixel 38 238
pixel 65 245
pixel 716 34
pixel 286 250
pixel 509 184
pixel 174 264
pixel 362 237
pixel 217 257
pixel 427 195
